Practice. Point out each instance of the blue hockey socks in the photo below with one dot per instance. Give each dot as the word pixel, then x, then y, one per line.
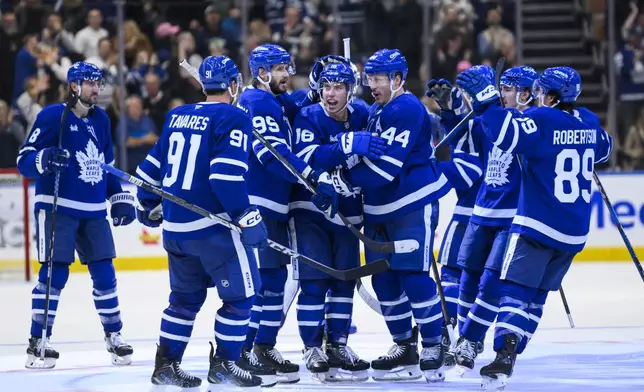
pixel 177 322
pixel 394 305
pixel 450 278
pixel 339 307
pixel 273 281
pixel 59 276
pixel 231 328
pixel 255 317
pixel 485 307
pixel 425 305
pixel 468 289
pixel 535 311
pixel 310 311
pixel 106 300
pixel 513 317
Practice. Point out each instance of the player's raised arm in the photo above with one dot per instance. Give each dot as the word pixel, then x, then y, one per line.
pixel 508 129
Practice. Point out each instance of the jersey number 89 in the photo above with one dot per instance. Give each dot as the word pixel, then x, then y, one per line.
pixel 567 168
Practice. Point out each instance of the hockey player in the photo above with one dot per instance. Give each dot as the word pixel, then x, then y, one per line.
pixel 558 151
pixel 452 107
pixel 202 157
pixel 481 256
pixel 80 223
pixel 400 192
pixel 270 188
pixel 327 136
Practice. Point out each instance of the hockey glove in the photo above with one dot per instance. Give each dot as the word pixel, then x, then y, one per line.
pixel 326 198
pixel 253 230
pixel 362 143
pixel 448 97
pixel 150 218
pixel 51 160
pixel 478 87
pixel 342 186
pixel 122 211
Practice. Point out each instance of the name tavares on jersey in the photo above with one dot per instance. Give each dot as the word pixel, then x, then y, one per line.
pixel 196 123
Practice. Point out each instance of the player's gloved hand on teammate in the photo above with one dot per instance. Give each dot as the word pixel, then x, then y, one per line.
pixel 342 186
pixel 253 230
pixel 479 87
pixel 52 159
pixel 148 214
pixel 326 198
pixel 122 211
pixel 448 97
pixel 362 143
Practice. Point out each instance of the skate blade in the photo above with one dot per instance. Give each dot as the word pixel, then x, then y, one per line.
pixel 268 381
pixel 34 362
pixel 121 361
pixel 288 378
pixel 338 375
pixel 400 373
pixel 437 375
pixel 494 384
pixel 321 377
pixel 163 388
pixel 461 371
pixel 229 387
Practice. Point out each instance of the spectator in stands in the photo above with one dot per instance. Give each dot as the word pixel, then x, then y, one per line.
pixel 106 61
pixel 629 62
pixel 634 22
pixel 9 45
pixel 87 38
pixel 633 149
pixel 141 132
pixel 26 64
pixel 12 137
pixel 448 54
pixel 31 101
pixel 55 36
pixel 496 40
pixel 156 102
pixel 135 42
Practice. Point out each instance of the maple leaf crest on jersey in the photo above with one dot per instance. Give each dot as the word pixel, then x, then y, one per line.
pixel 497 168
pixel 89 163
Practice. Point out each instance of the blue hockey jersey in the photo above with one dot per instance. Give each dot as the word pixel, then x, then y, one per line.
pixel 316 142
pixel 84 187
pixel 201 157
pixel 405 178
pixel 464 171
pixel 269 181
pixel 558 153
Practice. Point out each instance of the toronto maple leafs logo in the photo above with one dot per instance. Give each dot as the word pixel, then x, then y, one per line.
pixel 89 163
pixel 497 167
pixel 73 128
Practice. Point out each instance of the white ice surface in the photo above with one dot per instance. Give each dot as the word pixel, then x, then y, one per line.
pixel 605 352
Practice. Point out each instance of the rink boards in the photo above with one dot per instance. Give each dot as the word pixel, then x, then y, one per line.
pixel 140 248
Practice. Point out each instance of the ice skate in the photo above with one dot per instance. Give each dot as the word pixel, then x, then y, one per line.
pixel 495 375
pixel 120 351
pixel 287 372
pixel 33 354
pixel 226 375
pixel 251 363
pixel 432 360
pixel 167 373
pixel 465 355
pixel 316 362
pixel 399 364
pixel 345 365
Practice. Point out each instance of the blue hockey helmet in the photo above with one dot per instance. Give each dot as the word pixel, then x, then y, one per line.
pixel 522 78
pixel 217 72
pixel 267 55
pixel 385 61
pixel 563 81
pixel 339 73
pixel 82 71
pixel 488 72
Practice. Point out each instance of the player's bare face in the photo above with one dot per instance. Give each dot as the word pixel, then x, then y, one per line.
pixel 89 91
pixel 334 96
pixel 509 96
pixel 279 78
pixel 380 88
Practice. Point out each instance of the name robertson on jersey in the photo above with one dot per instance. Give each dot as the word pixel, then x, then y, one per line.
pixel 197 123
pixel 574 136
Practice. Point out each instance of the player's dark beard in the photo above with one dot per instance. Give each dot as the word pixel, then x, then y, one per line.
pixel 274 86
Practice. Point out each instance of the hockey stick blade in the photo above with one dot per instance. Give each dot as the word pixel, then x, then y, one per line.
pixel 338 274
pixel 404 246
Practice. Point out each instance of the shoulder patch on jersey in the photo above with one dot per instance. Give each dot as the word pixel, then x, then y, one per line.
pixel 497 167
pixel 89 163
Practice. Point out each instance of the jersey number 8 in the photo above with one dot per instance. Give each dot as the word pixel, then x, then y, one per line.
pixel 567 169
